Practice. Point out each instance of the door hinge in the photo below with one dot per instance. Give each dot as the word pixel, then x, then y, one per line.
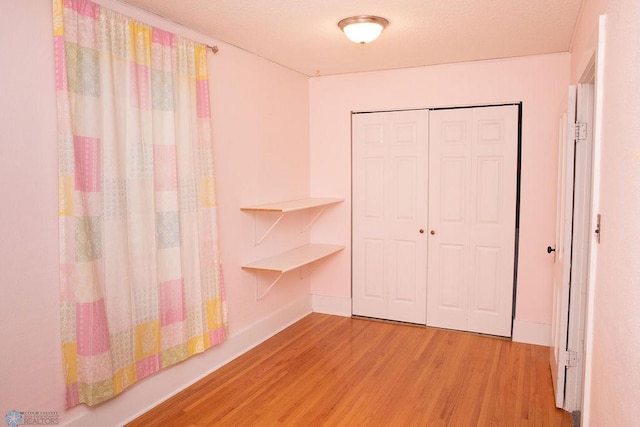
pixel 580 131
pixel 571 358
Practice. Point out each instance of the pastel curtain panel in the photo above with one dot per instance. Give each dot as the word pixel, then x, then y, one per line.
pixel 140 275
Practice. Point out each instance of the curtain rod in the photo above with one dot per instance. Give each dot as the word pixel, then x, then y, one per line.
pixel 214 49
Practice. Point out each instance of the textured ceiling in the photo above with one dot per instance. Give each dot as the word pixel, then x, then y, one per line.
pixel 303 34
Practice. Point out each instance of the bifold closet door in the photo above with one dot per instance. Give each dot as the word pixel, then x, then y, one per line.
pixel 472 212
pixel 389 245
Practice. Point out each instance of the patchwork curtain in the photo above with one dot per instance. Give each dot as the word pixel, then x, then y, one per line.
pixel 140 275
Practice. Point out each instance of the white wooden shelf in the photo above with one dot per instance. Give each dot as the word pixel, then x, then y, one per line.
pixel 294 258
pixel 291 260
pixel 291 206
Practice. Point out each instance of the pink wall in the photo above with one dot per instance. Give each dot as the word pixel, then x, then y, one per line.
pixel 260 115
pixel 30 358
pixel 613 375
pixel 264 118
pixel 540 82
pixel 261 131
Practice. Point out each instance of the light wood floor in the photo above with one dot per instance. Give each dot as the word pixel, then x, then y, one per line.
pixel 329 370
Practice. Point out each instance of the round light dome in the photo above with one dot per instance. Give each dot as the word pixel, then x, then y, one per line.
pixel 364 28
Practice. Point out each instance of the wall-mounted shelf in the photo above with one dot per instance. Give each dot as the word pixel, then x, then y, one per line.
pixel 291 206
pixel 291 260
pixel 294 258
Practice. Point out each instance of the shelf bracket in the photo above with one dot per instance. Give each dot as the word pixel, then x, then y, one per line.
pixel 259 295
pixel 313 221
pixel 304 272
pixel 264 236
pixel 304 259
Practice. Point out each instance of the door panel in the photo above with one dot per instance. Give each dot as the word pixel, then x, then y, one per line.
pixel 489 183
pixel 562 263
pixel 581 246
pixel 373 188
pixel 449 296
pixel 389 208
pixel 573 234
pixel 475 216
pixel 451 290
pixel 374 273
pixel 487 272
pixel 494 154
pixel 405 174
pixel 449 143
pixel 452 204
pixel 404 267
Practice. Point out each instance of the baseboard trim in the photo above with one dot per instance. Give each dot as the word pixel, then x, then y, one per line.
pixel 524 332
pixel 337 306
pixel 156 389
pixel 531 333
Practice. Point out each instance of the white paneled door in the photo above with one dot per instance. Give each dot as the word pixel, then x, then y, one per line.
pixel 562 248
pixel 473 155
pixel 572 246
pixel 390 215
pixel 434 211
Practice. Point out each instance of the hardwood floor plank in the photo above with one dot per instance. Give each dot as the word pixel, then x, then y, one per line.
pixel 329 370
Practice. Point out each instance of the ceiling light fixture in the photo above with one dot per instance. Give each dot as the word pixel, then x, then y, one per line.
pixel 363 28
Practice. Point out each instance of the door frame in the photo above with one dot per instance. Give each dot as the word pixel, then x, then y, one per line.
pixel 596 74
pixel 578 380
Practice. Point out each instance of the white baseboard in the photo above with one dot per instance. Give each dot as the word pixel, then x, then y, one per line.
pixel 524 332
pixel 532 333
pixel 338 306
pixel 159 387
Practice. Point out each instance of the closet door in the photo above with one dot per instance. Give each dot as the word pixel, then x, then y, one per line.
pixel 472 211
pixel 389 215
